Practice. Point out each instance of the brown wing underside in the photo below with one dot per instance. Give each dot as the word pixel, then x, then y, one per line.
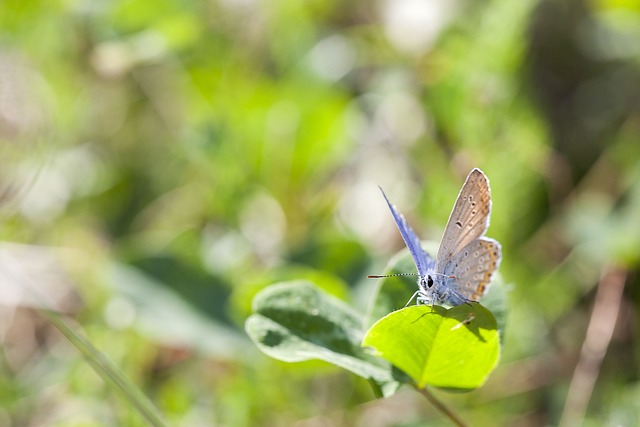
pixel 469 218
pixel 473 267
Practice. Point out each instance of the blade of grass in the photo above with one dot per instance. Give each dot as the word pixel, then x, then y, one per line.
pixel 13 276
pixel 107 370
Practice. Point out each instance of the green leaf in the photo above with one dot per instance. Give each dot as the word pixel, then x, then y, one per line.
pixel 455 349
pixel 295 321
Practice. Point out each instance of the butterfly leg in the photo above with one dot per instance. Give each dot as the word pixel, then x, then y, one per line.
pixel 453 297
pixel 412 297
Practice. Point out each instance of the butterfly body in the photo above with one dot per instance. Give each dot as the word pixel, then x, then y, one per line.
pixel 466 260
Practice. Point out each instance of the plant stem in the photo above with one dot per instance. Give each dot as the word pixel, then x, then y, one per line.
pixel 442 408
pixel 606 310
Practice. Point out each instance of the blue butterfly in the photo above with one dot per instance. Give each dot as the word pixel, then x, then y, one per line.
pixel 466 260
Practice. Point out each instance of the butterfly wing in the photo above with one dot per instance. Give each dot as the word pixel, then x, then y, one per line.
pixel 473 267
pixel 469 218
pixel 424 262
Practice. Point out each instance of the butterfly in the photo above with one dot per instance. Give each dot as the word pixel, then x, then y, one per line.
pixel 466 260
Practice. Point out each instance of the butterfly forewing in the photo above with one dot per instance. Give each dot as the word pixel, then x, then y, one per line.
pixel 473 267
pixel 423 262
pixel 469 218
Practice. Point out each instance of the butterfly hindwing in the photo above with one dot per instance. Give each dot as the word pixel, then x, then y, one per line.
pixel 473 267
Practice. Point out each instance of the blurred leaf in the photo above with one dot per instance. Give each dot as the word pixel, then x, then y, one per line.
pixel 496 301
pixel 205 292
pixel 295 321
pixel 456 348
pixel 168 318
pixel 623 409
pixel 346 258
pixel 242 296
pixel 604 230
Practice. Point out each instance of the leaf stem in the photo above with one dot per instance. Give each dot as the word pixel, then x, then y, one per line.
pixel 442 407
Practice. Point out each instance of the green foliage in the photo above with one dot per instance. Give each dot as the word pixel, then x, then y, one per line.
pixel 451 349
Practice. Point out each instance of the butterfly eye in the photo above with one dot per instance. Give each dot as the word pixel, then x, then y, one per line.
pixel 429 281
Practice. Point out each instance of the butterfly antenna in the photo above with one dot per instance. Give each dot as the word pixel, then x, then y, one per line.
pixel 391 275
pixel 409 274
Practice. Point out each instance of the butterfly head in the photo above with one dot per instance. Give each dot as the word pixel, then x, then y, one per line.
pixel 425 282
pixel 426 289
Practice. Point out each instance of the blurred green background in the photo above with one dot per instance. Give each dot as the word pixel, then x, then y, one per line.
pixel 162 161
